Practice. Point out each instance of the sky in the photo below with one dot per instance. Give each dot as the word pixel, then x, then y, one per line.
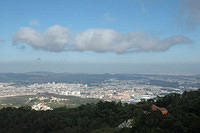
pixel 100 36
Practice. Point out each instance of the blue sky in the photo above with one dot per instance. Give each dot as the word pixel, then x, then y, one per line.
pixel 98 35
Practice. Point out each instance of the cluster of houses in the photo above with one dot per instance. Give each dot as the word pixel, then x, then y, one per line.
pixel 41 106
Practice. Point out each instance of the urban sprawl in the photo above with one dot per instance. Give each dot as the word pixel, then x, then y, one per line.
pixel 109 90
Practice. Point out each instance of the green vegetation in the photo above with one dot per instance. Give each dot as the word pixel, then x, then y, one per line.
pixel 69 101
pixel 15 101
pixel 105 117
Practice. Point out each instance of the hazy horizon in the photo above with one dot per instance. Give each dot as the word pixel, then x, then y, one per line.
pixel 99 68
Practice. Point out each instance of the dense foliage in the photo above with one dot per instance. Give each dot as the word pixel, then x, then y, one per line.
pixel 105 117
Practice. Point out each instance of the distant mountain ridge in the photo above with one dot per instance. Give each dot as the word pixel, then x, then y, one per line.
pixel 44 77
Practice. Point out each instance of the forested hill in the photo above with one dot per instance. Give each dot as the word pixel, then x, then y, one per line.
pixel 109 117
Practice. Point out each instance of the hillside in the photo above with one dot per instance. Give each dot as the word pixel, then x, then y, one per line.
pixel 109 117
pixel 47 99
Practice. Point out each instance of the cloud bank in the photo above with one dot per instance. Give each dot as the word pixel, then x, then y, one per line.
pixel 58 38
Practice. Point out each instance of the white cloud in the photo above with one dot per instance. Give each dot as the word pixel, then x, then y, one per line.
pixel 58 38
pixel 55 38
pixel 99 40
pixel 34 23
pixel 106 40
